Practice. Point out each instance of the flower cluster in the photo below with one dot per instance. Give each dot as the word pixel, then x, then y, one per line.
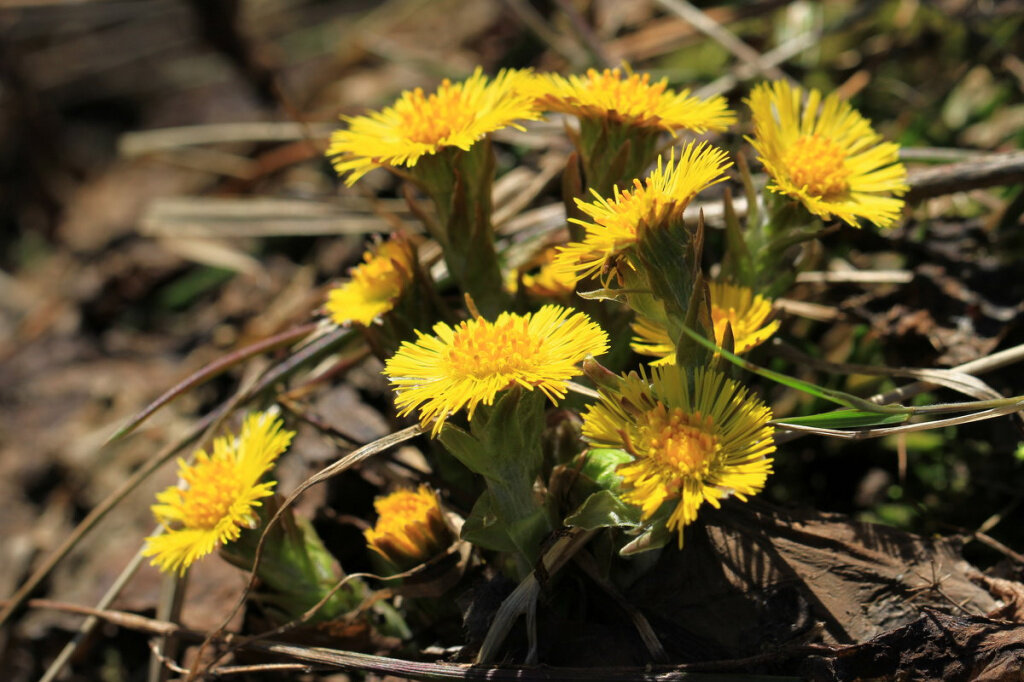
pixel 682 432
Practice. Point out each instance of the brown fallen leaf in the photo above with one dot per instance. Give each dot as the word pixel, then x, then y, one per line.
pixel 936 646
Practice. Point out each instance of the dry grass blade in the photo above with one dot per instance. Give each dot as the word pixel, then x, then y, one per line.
pixel 207 217
pixel 705 24
pixel 92 621
pixel 988 171
pixel 988 363
pixel 959 381
pixel 863 434
pixel 422 670
pixel 163 139
pixel 210 371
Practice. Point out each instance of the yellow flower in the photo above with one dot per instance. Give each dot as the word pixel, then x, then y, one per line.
pixel 831 160
pixel 457 115
pixel 223 490
pixel 732 305
pixel 632 101
pixel 663 196
pixel 470 364
pixel 410 528
pixel 548 281
pixel 691 443
pixel 375 284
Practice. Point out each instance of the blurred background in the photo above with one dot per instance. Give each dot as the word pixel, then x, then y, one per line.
pixel 164 200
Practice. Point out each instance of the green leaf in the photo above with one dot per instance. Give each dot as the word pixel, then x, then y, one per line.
pixel 698 316
pixel 511 432
pixel 670 259
pixel 838 397
pixel 843 419
pixel 655 537
pixel 604 510
pixel 484 529
pixel 464 447
pixel 599 465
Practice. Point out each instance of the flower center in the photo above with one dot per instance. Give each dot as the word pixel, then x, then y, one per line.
pixel 817 164
pixel 481 349
pixel 680 440
pixel 213 486
pixel 380 279
pixel 432 119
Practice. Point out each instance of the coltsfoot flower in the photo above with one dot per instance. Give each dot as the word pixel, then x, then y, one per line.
pixel 223 491
pixel 410 528
pixel 469 364
pixel 375 284
pixel 457 115
pixel 663 196
pixel 693 440
pixel 548 281
pixel 733 305
pixel 826 155
pixel 631 100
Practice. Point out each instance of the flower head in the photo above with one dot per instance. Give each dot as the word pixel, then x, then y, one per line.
pixel 731 305
pixel 469 364
pixel 631 100
pixel 692 442
pixel 223 490
pixel 457 115
pixel 410 528
pixel 375 284
pixel 663 196
pixel 548 281
pixel 826 155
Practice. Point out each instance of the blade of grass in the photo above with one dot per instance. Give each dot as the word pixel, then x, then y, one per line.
pixel 210 371
pixel 838 397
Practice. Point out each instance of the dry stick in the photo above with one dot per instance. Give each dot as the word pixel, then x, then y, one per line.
pixel 101 510
pixel 708 26
pixel 856 277
pixel 993 169
pixel 353 661
pixel 980 366
pixel 768 60
pixel 209 371
pixel 92 621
